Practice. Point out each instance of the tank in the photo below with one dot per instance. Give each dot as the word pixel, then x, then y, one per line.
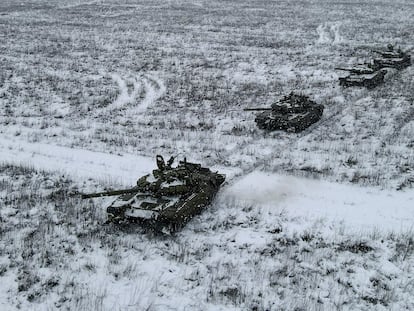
pixel 362 75
pixel 166 199
pixel 293 113
pixel 391 58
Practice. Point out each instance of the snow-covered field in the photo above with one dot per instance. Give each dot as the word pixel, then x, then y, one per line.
pixel 91 91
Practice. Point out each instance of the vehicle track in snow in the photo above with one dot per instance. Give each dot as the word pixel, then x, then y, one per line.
pixel 301 197
pixel 153 90
pixel 136 93
pixel 76 163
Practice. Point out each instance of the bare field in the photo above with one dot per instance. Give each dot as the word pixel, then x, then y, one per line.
pixel 57 253
pixel 171 77
pixel 139 78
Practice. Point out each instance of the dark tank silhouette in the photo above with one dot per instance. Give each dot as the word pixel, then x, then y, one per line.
pixel 293 113
pixel 372 74
pixel 366 75
pixel 166 199
pixel 392 58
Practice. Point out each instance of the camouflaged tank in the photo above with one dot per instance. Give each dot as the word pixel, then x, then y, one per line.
pixel 366 75
pixel 293 113
pixel 391 58
pixel 166 199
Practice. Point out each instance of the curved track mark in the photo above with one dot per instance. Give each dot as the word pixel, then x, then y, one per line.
pixel 154 88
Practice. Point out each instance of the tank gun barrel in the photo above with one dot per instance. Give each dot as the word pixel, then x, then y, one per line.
pixel 257 109
pixel 109 193
pixel 342 68
pixel 386 52
pixel 357 70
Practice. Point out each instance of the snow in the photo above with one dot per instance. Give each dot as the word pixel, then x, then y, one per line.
pixel 125 96
pixel 154 89
pixel 140 78
pixel 151 87
pixel 329 33
pixel 359 208
pixel 77 163
pixel 176 182
pixel 140 213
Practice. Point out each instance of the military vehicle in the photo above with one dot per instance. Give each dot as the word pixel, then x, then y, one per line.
pixel 365 75
pixel 166 199
pixel 391 58
pixel 293 113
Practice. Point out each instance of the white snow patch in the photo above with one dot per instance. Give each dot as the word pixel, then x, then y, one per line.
pixel 140 213
pixel 247 73
pixel 77 163
pixel 357 207
pixel 329 33
pixel 154 89
pixel 286 73
pixel 360 208
pixel 124 97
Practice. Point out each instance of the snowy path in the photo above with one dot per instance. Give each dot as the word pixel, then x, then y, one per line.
pixel 76 163
pixel 357 207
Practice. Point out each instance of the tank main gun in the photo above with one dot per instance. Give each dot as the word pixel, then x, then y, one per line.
pixel 357 70
pixel 257 109
pixel 110 193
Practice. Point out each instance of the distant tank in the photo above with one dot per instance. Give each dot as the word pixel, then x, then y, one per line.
pixel 166 199
pixel 293 113
pixel 391 58
pixel 362 75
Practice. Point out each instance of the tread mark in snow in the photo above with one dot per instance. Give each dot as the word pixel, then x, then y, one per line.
pixel 151 87
pixel 154 89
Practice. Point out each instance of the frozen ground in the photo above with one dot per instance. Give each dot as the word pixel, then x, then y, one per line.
pixel 360 208
pixel 292 244
pixel 171 77
pixel 269 242
pixel 357 208
pixel 90 91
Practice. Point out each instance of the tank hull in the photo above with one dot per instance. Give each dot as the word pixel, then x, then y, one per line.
pixel 369 81
pixel 170 205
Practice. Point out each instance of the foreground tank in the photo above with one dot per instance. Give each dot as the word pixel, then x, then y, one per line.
pixel 293 113
pixel 166 199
